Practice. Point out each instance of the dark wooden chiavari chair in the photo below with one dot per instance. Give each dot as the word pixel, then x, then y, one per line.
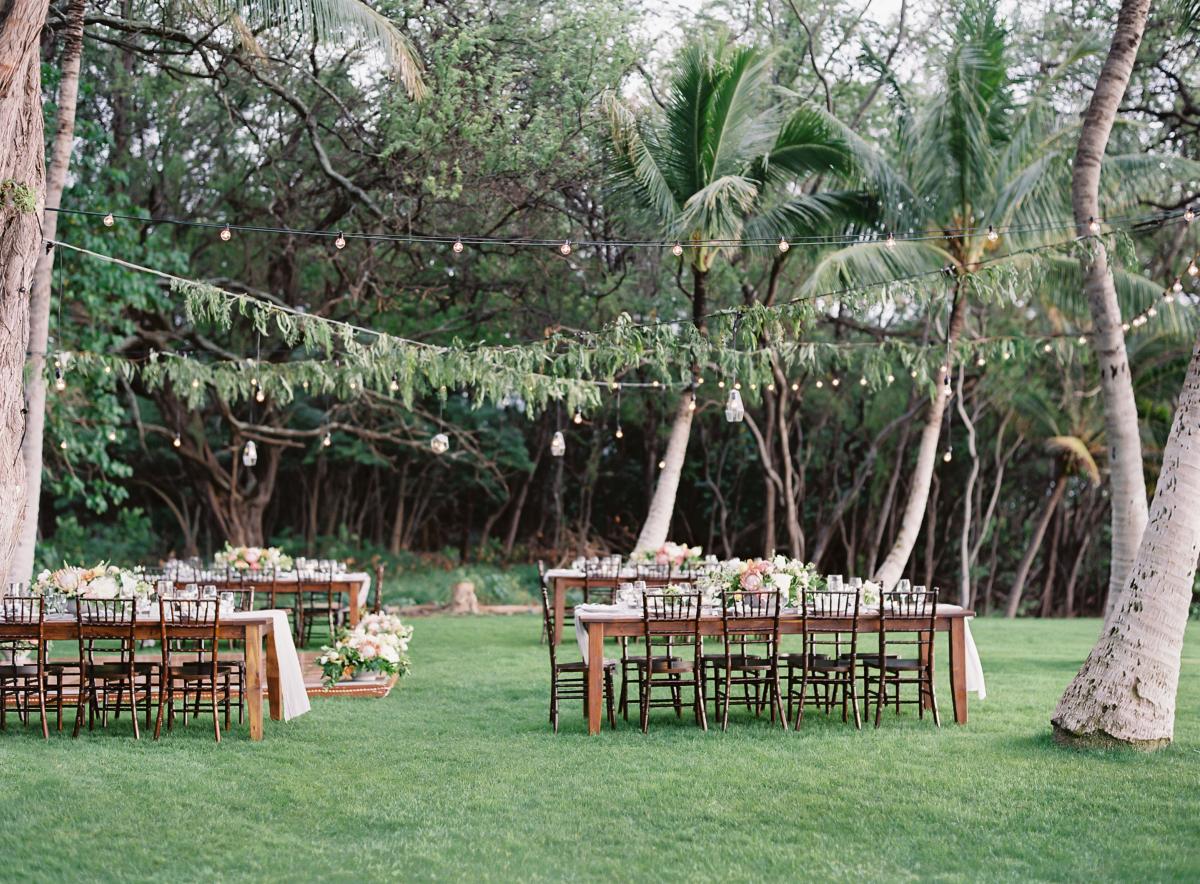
pixel 600 582
pixel 321 599
pixel 907 622
pixel 22 630
pixel 240 598
pixel 568 681
pixel 377 603
pixel 823 666
pixel 750 657
pixel 671 618
pixel 105 682
pixel 190 664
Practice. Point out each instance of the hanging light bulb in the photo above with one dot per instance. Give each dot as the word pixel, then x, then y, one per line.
pixel 63 444
pixel 662 464
pixel 771 386
pixel 913 374
pixel 108 369
pixel 250 453
pixel 654 383
pixel 619 433
pixel 1046 348
pixel 795 386
pixel 578 418
pixel 1081 340
pixel 862 382
pixel 677 250
pixel 1124 327
pixel 1152 311
pixel 1093 226
pixel 195 383
pixel 112 435
pixel 457 247
pixel 259 395
pixel 981 362
pixel 820 384
pixel 783 244
pixel 60 383
pixel 992 234
pixel 565 248
pixel 558 445
pixel 1169 296
pixel 340 242
pixel 1192 269
pixel 720 385
pixel 735 411
pixel 891 378
pixel 226 234
pixel 109 220
pixel 440 443
pixel 947 457
pixel 836 382
pixel 1177 285
pixel 177 441
pixel 737 385
pixel 393 385
pixel 692 403
pixel 327 440
pixel 891 241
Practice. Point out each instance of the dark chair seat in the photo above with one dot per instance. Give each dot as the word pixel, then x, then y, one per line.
pixel 741 661
pixel 580 666
pixel 894 664
pixel 667 665
pixel 18 670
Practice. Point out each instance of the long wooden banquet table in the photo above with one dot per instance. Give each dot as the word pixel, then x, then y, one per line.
pixel 250 628
pixel 355 585
pixel 953 622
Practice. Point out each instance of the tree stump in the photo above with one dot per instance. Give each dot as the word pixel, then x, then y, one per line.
pixel 462 598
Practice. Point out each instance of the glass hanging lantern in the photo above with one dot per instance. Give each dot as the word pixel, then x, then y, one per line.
pixel 735 411
pixel 250 454
pixel 558 445
pixel 440 443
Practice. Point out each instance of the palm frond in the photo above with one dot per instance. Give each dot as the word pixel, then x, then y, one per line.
pixel 336 21
pixel 872 263
pixel 734 129
pixel 1077 453
pixel 635 167
pixel 812 214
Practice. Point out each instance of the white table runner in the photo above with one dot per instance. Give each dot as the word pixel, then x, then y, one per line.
pixel 291 676
pixel 974 667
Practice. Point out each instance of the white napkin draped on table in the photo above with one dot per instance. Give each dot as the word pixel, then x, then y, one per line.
pixel 585 613
pixel 291 677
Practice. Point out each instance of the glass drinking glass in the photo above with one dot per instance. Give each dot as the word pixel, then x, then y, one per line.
pixel 835 582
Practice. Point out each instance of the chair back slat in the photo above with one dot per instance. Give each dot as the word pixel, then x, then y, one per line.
pixel 824 606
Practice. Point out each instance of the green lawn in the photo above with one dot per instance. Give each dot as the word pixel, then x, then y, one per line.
pixel 457 775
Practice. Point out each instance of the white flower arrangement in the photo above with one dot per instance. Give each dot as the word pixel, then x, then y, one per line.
pixel 734 576
pixel 670 553
pixel 253 558
pixel 102 581
pixel 379 643
pixel 802 578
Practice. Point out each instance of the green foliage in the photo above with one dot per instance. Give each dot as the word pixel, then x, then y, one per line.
pixel 128 540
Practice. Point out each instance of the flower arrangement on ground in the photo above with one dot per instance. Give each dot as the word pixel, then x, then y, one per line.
pixel 253 558
pixel 379 644
pixel 670 553
pixel 102 581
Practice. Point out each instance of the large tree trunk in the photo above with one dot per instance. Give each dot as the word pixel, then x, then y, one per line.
pixel 662 504
pixel 1125 691
pixel 22 200
pixel 39 303
pixel 918 492
pixel 1035 544
pixel 1127 481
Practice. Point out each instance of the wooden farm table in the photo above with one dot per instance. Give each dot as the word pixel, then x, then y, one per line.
pixel 354 585
pixel 599 628
pixel 247 628
pixel 563 579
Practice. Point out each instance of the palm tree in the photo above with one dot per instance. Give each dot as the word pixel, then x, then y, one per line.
pixel 330 20
pixel 723 163
pixel 973 156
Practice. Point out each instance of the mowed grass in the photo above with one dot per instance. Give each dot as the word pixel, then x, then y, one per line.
pixel 457 776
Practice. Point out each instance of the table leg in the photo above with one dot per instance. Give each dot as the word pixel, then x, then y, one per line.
pixel 595 675
pixel 254 686
pixel 560 610
pixel 274 690
pixel 354 611
pixel 958 668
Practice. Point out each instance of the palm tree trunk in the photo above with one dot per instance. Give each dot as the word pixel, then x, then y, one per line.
pixel 1127 481
pixel 662 504
pixel 1125 691
pixel 22 199
pixel 1035 544
pixel 918 492
pixel 39 302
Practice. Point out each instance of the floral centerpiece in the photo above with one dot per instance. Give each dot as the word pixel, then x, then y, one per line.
pixel 378 644
pixel 102 581
pixel 253 558
pixel 796 579
pixel 670 553
pixel 735 576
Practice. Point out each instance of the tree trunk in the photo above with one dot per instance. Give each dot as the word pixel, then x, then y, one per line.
pixel 1127 480
pixel 22 201
pixel 964 540
pixel 1125 691
pixel 918 492
pixel 39 302
pixel 1035 543
pixel 662 504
